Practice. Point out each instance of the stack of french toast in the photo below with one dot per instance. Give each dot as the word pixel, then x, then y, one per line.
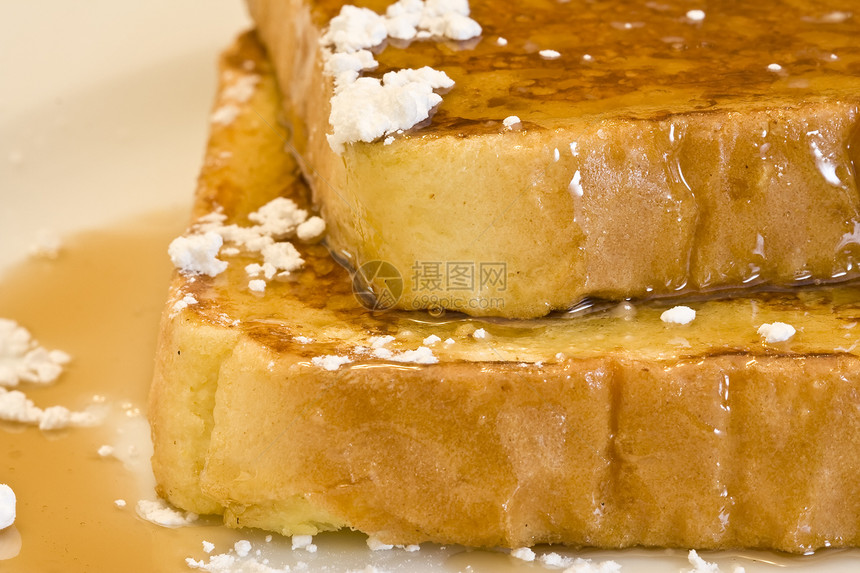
pixel 478 350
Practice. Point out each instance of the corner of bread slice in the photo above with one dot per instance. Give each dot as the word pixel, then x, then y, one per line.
pixel 194 341
pixel 182 398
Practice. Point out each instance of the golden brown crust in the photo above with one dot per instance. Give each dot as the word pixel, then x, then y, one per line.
pixel 639 433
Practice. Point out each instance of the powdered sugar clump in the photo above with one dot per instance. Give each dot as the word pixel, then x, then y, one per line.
pixel 702 566
pixel 238 91
pixel 160 513
pixel 16 407
pixel 311 229
pixel 198 254
pixel 274 223
pixel 523 553
pixel 354 29
pixel 364 108
pixel 369 108
pixel 22 359
pixel 511 121
pixel 330 362
pixel 678 315
pixel 184 302
pixel 776 332
pixel 421 355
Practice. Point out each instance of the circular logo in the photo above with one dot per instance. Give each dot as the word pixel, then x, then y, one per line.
pixel 377 285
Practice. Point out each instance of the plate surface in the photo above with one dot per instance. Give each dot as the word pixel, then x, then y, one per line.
pixel 103 119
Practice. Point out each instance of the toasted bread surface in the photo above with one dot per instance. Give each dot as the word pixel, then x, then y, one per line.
pixel 655 156
pixel 612 429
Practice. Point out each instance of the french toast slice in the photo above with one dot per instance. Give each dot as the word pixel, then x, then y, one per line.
pixel 292 411
pixel 658 153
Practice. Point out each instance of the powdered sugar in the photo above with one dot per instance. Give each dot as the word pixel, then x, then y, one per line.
pixel 523 554
pixel 678 315
pixel 355 29
pixel 311 229
pixel 330 362
pixel 369 108
pixel 23 359
pixel 157 511
pixel 702 566
pixel 274 223
pixel 16 407
pixel 511 121
pixel 198 254
pixel 238 90
pixel 183 303
pixel 364 108
pixel 7 506
pixel 776 332
pixel 421 355
pixel 377 349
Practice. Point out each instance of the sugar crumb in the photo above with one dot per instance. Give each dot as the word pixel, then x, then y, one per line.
pixel 375 544
pixel 523 554
pixel 678 315
pixel 197 254
pixel 330 362
pixel 224 115
pixel 242 547
pixel 510 121
pixel 421 355
pixel 23 359
pixel 303 542
pixel 776 332
pixel 183 303
pixel 7 506
pixel 311 229
pixel 157 511
pixel 700 565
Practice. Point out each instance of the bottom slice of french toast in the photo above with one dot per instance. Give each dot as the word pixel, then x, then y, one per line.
pixel 284 404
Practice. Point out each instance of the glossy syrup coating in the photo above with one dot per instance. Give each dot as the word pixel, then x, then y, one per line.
pixel 638 59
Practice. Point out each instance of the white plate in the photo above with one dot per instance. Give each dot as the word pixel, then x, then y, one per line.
pixel 106 103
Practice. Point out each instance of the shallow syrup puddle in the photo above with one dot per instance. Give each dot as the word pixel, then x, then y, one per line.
pixel 100 301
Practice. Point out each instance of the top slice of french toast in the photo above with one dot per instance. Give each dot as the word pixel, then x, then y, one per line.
pixel 611 150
